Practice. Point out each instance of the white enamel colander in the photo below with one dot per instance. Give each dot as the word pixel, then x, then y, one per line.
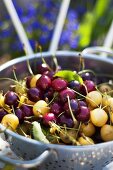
pixel 54 156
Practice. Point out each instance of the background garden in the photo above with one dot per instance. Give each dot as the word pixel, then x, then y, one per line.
pixel 86 24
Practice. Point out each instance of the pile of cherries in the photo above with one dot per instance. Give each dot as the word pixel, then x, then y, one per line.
pixel 70 111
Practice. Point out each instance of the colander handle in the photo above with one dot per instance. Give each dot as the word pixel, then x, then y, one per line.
pixel 108 167
pixel 103 50
pixel 29 163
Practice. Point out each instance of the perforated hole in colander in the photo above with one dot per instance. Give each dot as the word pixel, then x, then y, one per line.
pixel 71 165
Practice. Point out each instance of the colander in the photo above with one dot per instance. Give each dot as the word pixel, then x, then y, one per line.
pixel 53 156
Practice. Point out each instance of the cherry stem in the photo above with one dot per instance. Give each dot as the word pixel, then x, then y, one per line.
pixel 14 73
pixel 85 97
pixel 55 95
pixel 23 132
pixel 55 62
pixel 81 63
pixel 13 110
pixel 15 81
pixel 74 119
pixel 28 63
pixel 78 129
pixel 86 138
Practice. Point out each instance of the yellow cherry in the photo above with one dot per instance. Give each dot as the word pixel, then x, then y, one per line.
pixel 40 108
pixel 10 121
pixel 98 117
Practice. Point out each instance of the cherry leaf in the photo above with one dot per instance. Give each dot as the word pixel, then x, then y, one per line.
pixel 69 76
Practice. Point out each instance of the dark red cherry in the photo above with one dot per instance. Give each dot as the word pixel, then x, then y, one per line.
pixel 48 94
pixel 28 80
pixel 27 110
pixel 74 85
pixel 11 99
pixel 2 113
pixel 49 74
pixel 90 85
pixel 42 68
pixel 82 103
pixel 34 94
pixel 20 114
pixel 86 76
pixel 83 90
pixel 74 107
pixel 59 84
pixel 84 114
pixel 43 82
pixel 56 108
pixel 63 120
pixel 67 92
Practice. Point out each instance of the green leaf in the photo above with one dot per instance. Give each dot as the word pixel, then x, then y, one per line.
pixel 69 76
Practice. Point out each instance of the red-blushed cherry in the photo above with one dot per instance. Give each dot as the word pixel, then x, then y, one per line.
pixel 20 114
pixel 42 68
pixel 84 114
pixel 27 110
pixel 65 93
pixel 63 120
pixel 56 108
pixel 11 99
pixel 59 84
pixel 2 113
pixel 44 82
pixel 90 85
pixel 49 117
pixel 74 107
pixel 34 94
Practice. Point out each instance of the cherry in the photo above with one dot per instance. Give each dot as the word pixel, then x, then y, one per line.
pixel 27 110
pixel 20 114
pixel 67 92
pixel 90 85
pixel 98 117
pixel 43 82
pixel 84 114
pixel 59 84
pixel 40 108
pixel 49 117
pixel 86 76
pixel 34 94
pixel 83 90
pixel 28 80
pixel 2 113
pixel 63 120
pixel 49 74
pixel 42 68
pixel 74 106
pixel 11 99
pixel 82 103
pixel 56 108
pixel 10 121
pixel 48 94
pixel 74 85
